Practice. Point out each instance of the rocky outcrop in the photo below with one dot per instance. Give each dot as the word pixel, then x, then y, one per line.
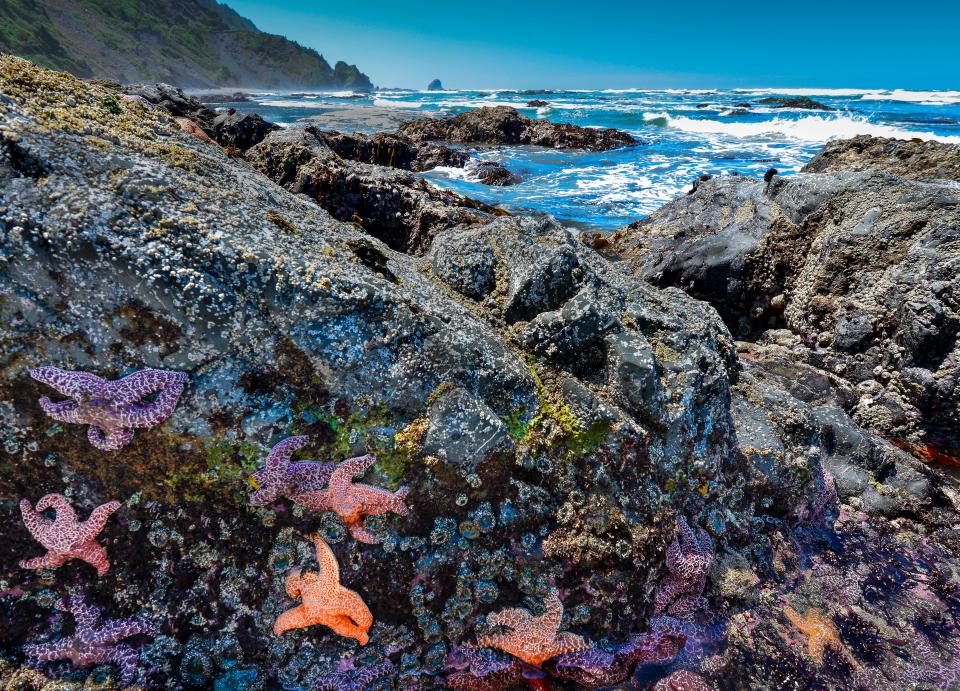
pixel 861 266
pixel 391 150
pixel 504 125
pixel 801 102
pixel 551 415
pixel 229 128
pixel 435 85
pixel 393 205
pixel 914 159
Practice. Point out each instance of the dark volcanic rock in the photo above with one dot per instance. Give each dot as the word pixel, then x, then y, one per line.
pixel 240 131
pixel 914 159
pixel 803 102
pixel 551 415
pixel 229 129
pixel 236 97
pixel 493 174
pixel 861 265
pixel 538 103
pixel 391 150
pixel 394 206
pixel 504 125
pixel 435 85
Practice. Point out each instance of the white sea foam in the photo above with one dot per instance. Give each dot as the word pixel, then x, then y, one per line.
pixel 813 128
pixel 926 98
pixel 283 103
pixel 391 103
pixel 811 92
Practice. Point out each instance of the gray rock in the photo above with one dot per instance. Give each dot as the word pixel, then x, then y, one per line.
pixel 463 430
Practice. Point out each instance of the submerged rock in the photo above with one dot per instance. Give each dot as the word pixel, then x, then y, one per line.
pixel 802 102
pixel 505 125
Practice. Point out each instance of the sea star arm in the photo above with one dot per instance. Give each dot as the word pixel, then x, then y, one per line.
pixel 115 630
pixel 127 659
pixel 346 627
pixel 85 615
pixel 94 554
pixel 48 652
pixel 47 561
pixel 91 527
pixel 68 382
pixel 109 441
pixel 319 500
pixel 360 533
pixel 35 521
pixel 511 616
pixel 567 642
pixel 343 475
pixel 294 584
pixel 294 618
pixel 329 569
pixel 158 410
pixel 64 411
pixel 553 616
pixel 281 454
pixel 137 386
pixel 58 502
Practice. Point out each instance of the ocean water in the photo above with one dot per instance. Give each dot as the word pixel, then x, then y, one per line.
pixel 689 132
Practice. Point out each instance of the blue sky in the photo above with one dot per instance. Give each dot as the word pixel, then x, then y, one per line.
pixel 669 43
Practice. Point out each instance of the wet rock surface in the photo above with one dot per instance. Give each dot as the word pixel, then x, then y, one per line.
pixel 552 414
pixel 859 266
pixel 393 205
pixel 802 102
pixel 505 125
pixel 914 159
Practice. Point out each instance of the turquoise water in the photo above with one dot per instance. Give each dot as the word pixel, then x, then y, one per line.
pixel 690 132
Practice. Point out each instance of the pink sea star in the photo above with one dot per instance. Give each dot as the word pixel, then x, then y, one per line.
pixel 351 501
pixel 92 642
pixel 65 537
pixel 113 409
pixel 281 478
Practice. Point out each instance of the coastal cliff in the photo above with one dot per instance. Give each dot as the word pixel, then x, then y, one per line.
pixel 591 454
pixel 194 44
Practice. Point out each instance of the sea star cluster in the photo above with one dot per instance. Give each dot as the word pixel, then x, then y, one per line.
pixel 94 642
pixel 112 409
pixel 65 537
pixel 325 601
pixel 532 638
pixel 283 478
pixel 351 501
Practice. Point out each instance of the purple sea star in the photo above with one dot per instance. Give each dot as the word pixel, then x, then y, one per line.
pixel 356 679
pixel 113 409
pixel 596 668
pixel 65 537
pixel 92 642
pixel 281 478
pixel 483 669
pixel 689 557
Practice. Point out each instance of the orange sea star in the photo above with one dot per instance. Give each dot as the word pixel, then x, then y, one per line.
pixel 820 630
pixel 65 537
pixel 533 639
pixel 325 601
pixel 351 501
